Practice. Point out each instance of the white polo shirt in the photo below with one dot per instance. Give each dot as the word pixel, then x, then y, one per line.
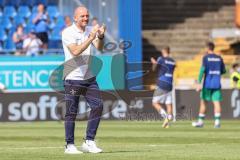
pixel 80 69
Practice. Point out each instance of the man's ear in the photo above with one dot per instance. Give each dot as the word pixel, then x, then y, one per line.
pixel 75 19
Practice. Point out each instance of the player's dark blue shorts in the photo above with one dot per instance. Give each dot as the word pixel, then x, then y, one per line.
pixel 87 88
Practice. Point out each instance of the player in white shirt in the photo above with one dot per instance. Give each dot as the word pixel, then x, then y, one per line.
pixel 77 41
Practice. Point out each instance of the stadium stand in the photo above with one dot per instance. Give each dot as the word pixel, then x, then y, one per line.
pixel 186 26
pixel 15 12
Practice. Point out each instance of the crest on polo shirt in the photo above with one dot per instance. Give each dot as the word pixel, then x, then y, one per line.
pixel 73 92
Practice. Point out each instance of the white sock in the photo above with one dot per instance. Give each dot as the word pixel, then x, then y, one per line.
pixel 217 122
pixel 163 113
pixel 217 118
pixel 201 118
pixel 169 116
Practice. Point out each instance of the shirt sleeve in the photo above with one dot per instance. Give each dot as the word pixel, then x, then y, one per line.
pixel 68 38
pixel 204 62
pixel 33 17
pixel 159 60
pixel 201 73
pixel 202 69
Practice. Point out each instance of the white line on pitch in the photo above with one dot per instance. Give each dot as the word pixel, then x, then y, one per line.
pixel 150 145
pixel 26 148
pixel 166 145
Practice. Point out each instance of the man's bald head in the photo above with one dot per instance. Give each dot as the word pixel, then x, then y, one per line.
pixel 81 16
pixel 80 9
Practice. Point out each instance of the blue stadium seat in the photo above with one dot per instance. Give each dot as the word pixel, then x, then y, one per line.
pixel 3 35
pixel 53 11
pixel 51 23
pixel 29 22
pixel 6 23
pixel 26 3
pixel 19 20
pixel 2 3
pixel 56 34
pixel 60 22
pixel 53 2
pixel 54 44
pixel 9 44
pixel 11 31
pixel 28 28
pixel 15 3
pixel 2 28
pixel 24 11
pixel 37 2
pixel 34 9
pixel 9 11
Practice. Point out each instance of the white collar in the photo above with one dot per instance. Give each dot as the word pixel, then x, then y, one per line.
pixel 77 29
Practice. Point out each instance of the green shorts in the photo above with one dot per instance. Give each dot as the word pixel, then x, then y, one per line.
pixel 211 94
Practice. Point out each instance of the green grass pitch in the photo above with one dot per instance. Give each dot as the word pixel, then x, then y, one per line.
pixel 123 140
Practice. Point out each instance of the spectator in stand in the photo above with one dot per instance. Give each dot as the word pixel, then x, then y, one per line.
pixel 18 38
pixel 68 21
pixel 41 20
pixel 235 76
pixel 94 21
pixel 32 44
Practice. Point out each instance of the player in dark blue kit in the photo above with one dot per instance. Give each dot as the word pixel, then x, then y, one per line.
pixel 212 69
pixel 163 93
